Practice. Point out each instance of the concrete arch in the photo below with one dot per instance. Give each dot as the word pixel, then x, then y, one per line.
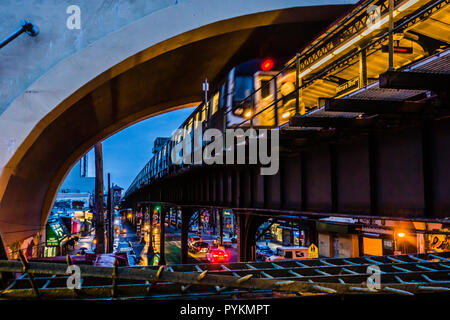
pixel 103 83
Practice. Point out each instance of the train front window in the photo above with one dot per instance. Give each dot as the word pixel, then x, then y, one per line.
pixel 243 86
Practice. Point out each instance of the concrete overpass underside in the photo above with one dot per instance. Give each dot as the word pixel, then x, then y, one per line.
pixel 76 104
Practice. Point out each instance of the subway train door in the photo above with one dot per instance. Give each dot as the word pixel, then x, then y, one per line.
pixel 264 98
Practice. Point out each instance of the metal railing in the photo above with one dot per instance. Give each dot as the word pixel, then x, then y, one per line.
pixel 399 274
pixel 25 26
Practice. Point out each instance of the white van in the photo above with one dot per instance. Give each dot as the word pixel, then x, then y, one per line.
pixel 289 253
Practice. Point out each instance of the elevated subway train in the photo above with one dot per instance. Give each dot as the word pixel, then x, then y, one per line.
pixel 232 105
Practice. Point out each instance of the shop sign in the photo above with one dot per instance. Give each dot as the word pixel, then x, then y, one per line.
pixel 388 244
pixel 347 86
pixel 52 240
pixel 56 232
pixel 376 230
pixel 313 252
pixel 439 242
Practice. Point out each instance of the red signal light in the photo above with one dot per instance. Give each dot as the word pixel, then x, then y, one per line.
pixel 267 64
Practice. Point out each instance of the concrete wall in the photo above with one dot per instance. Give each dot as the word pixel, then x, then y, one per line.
pixel 25 59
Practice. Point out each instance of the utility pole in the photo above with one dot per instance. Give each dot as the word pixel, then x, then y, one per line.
pixel 110 217
pixel 99 210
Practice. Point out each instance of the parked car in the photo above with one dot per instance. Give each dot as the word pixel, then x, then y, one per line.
pixel 199 246
pixel 289 253
pixel 263 252
pixel 217 256
pixel 193 240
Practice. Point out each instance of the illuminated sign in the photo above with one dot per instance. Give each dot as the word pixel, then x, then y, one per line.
pixel 313 252
pixel 348 86
pixel 55 232
pixel 398 49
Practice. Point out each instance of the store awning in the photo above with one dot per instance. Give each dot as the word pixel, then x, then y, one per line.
pixel 332 227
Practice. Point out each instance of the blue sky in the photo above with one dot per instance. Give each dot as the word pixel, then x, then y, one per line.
pixel 126 152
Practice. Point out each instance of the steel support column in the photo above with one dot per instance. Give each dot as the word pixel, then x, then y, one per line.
pixel 186 215
pixel 221 226
pixel 333 178
pixel 162 234
pixel 427 163
pixel 150 240
pixel 373 173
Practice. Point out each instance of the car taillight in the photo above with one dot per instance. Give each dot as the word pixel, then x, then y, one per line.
pixel 225 255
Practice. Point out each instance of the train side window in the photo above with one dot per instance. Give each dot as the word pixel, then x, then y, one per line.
pixel 205 112
pixel 222 96
pixel 215 103
pixel 189 127
pixel 196 120
pixel 265 88
pixel 288 254
pixel 202 114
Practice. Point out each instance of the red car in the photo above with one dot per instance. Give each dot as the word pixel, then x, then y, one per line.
pixel 217 256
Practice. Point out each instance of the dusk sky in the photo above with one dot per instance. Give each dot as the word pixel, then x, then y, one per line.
pixel 126 152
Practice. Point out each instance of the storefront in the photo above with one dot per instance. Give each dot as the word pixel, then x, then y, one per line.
pixel 377 241
pixel 337 240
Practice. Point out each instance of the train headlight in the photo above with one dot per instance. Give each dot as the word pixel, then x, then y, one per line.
pixel 286 115
pixel 248 114
pixel 238 111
